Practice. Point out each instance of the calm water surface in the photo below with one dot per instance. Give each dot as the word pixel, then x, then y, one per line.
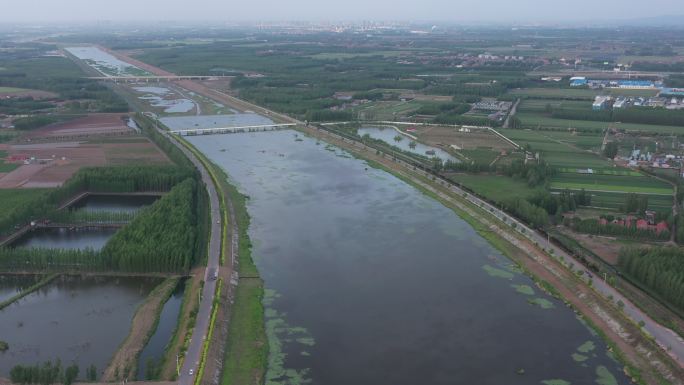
pixel 370 282
pixel 64 238
pixel 387 134
pixel 168 321
pixel 81 320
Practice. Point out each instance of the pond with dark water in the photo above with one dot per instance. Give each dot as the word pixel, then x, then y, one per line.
pixel 66 238
pixel 75 319
pixel 369 281
pixel 168 321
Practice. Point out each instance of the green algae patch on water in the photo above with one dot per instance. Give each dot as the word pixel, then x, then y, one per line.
pixel 541 302
pixel 524 289
pixel 579 357
pixel 496 272
pixel 556 381
pixel 586 347
pixel 604 376
pixel 279 332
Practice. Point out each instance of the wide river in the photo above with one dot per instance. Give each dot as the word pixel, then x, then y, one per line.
pixel 371 282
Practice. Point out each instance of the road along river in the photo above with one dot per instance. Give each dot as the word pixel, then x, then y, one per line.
pixel 369 281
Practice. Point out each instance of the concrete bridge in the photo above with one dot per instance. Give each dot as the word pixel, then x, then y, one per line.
pixel 232 130
pixel 156 78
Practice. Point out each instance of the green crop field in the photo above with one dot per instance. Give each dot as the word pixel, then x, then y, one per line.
pixel 9 90
pixel 615 200
pixel 480 155
pixel 540 105
pixel 533 120
pixel 498 188
pixel 555 153
pixel 603 171
pixel 610 183
pixel 556 93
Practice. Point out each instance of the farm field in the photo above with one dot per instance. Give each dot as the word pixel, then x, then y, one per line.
pixel 62 149
pixel 607 184
pixel 11 90
pixel 540 105
pixel 531 120
pixel 498 188
pixel 613 201
pixel 480 155
pixel 610 183
pixel 555 93
pixel 440 136
pixel 555 153
pixel 387 110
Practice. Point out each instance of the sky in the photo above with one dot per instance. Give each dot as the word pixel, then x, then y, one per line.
pixel 499 11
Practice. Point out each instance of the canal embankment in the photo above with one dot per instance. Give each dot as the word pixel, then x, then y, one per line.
pixel 124 363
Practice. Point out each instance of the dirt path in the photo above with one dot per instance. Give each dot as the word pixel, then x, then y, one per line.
pixel 124 363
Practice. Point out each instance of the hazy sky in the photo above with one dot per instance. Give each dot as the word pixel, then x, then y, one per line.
pixel 511 11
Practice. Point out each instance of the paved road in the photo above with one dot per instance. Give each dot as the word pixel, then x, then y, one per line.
pixel 199 334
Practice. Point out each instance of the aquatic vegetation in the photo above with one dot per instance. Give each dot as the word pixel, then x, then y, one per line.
pixel 556 381
pixel 579 357
pixel 496 272
pixel 586 347
pixel 279 333
pixel 604 376
pixel 524 289
pixel 542 303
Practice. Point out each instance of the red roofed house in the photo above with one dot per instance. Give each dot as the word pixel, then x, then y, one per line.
pixel 661 226
pixel 642 224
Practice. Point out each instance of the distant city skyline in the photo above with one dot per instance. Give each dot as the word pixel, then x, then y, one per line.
pixel 447 11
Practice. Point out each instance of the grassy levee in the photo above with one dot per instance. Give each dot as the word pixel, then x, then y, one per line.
pixel 246 353
pixel 650 366
pixel 28 291
pixel 205 346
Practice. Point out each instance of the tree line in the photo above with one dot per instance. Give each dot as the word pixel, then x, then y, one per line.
pixel 119 179
pixel 594 226
pixel 49 373
pixel 163 237
pixel 660 269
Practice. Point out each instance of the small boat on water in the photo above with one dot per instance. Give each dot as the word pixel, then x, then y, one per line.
pixel 430 152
